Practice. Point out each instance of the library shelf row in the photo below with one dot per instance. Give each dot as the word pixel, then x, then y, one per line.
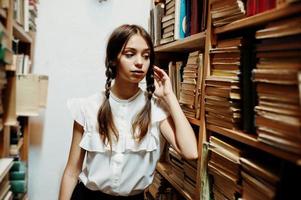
pixel 193 42
pixel 165 170
pixel 251 140
pixel 261 18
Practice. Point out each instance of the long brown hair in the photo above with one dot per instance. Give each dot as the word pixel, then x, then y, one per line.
pixel 116 43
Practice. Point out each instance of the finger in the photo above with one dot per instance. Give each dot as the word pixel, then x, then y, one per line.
pixel 159 77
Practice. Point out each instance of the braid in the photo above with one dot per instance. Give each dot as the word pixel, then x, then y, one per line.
pixel 105 118
pixel 143 119
pixel 150 86
pixel 109 75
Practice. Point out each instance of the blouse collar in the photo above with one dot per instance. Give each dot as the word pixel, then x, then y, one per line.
pixel 115 98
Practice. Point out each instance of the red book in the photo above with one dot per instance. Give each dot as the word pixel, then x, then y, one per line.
pixel 196 10
pixel 251 7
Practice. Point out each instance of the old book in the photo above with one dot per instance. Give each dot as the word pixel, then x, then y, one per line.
pixel 264 188
pixel 223 92
pixel 293 64
pixel 286 27
pixel 277 76
pixel 261 170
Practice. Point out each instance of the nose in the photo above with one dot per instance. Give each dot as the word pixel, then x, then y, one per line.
pixel 139 62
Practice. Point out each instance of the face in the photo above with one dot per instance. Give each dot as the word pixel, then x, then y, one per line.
pixel 133 60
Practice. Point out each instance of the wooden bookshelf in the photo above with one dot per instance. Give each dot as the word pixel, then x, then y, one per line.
pixel 5 165
pixel 10 119
pixel 261 18
pixel 165 170
pixel 20 33
pixel 190 43
pixel 252 141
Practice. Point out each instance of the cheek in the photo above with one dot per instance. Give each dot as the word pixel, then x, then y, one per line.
pixel 147 63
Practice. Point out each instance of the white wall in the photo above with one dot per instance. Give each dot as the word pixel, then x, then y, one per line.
pixel 70 45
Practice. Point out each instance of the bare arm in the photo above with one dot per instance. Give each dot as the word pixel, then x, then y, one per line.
pixel 74 164
pixel 176 129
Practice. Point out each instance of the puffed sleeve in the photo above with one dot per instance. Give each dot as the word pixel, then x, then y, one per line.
pixel 75 106
pixel 159 110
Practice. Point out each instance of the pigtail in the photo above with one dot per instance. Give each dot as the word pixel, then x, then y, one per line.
pixel 143 119
pixel 105 118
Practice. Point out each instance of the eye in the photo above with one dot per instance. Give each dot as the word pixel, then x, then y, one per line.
pixel 129 55
pixel 146 56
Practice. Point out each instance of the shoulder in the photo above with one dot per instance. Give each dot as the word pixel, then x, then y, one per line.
pixel 87 101
pixel 83 107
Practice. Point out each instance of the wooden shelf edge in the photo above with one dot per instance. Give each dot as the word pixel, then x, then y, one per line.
pixel 179 44
pixel 252 141
pixel 5 169
pixel 162 167
pixel 20 33
pixel 194 121
pixel 261 18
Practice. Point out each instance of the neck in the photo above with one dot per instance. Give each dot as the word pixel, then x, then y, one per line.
pixel 124 90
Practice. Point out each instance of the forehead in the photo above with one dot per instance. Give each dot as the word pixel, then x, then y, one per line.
pixel 137 42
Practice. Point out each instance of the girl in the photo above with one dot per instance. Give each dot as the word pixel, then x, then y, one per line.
pixel 118 131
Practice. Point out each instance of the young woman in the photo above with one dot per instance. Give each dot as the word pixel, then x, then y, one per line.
pixel 118 131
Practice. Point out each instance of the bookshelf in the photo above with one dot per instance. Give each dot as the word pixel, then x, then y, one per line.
pixel 207 41
pixel 164 169
pixel 14 138
pixel 179 50
pixel 261 18
pixel 188 44
pixel 253 142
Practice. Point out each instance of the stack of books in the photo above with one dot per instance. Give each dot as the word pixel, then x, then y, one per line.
pixel 276 76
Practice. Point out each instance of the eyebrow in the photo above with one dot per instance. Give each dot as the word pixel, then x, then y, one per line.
pixel 133 49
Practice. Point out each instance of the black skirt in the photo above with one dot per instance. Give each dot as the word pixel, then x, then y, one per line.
pixel 80 192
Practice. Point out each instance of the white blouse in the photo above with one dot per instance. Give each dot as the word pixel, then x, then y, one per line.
pixel 130 167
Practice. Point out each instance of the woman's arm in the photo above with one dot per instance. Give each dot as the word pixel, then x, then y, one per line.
pixel 74 164
pixel 176 128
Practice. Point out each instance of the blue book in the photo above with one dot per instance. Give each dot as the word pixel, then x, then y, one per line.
pixel 183 19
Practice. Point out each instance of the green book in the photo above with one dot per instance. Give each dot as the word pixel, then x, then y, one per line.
pixel 17 175
pixel 18 186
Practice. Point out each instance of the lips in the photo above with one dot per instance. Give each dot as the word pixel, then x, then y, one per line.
pixel 137 71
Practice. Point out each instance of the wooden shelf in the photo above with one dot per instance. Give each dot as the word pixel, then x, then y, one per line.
pixel 3 13
pixel 194 121
pixel 20 33
pixel 193 42
pixel 261 18
pixel 252 141
pixel 165 170
pixel 5 165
